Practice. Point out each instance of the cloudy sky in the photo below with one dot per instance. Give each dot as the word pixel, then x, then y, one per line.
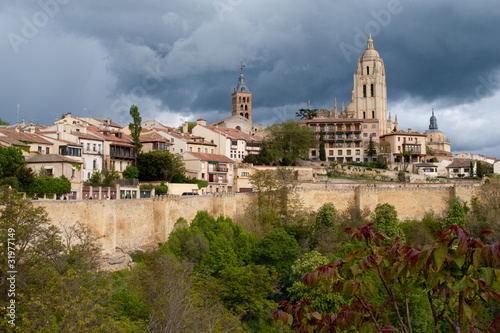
pixel 180 60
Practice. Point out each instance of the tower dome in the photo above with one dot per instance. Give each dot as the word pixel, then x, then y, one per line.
pixel 370 52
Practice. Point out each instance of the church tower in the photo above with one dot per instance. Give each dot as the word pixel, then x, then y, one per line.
pixel 242 98
pixel 369 97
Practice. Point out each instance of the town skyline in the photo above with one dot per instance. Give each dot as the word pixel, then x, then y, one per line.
pixel 180 62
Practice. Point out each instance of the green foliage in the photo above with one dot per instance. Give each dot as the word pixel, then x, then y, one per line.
pixel 290 141
pixel 42 185
pixel 94 180
pixel 277 249
pixel 371 150
pixel 162 188
pixel 136 128
pixel 201 183
pixel 276 199
pixel 455 215
pixel 4 123
pixel 321 299
pixel 386 220
pixel 191 124
pixel 157 165
pixel 13 169
pixel 146 187
pixel 306 114
pixel 131 172
pixel 479 169
pixel 322 150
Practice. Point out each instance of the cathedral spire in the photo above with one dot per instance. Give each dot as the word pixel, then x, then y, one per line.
pixel 370 43
pixel 433 121
pixel 241 81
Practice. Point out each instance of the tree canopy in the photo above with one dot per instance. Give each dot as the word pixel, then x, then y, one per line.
pixel 306 114
pixel 135 127
pixel 290 141
pixel 157 165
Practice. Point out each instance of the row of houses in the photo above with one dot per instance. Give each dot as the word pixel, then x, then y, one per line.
pixel 78 147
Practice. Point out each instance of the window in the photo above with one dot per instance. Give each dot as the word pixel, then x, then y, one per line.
pixel 322 128
pixel 374 126
pixel 99 148
pixel 364 116
pixel 348 152
pixel 373 116
pixel 313 127
pixel 172 140
pixel 399 148
pixel 190 148
pixel 330 127
pixel 88 146
pixel 455 170
pixel 94 164
pixel 206 150
pixel 339 136
pixel 367 70
pixel 47 150
pixel 364 90
pixel 211 151
pixel 245 174
pixel 340 152
pixel 202 175
pixel 94 147
pixel 57 136
pixel 182 150
pixel 234 142
pixel 330 152
pixel 199 150
pixel 40 149
pixel 371 88
pixel 399 138
pixel 374 135
pixel 365 135
pixel 73 172
pixel 313 152
pixel 365 143
pixel 365 126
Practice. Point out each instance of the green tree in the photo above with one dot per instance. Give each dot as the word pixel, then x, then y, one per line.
pixel 277 249
pixel 191 124
pixel 371 150
pixel 306 114
pixel 479 169
pixel 4 123
pixel 136 128
pixel 322 151
pixel 13 169
pixel 386 220
pixel 321 299
pixel 290 141
pixel 157 165
pixel 131 172
pixel 276 199
pixel 456 215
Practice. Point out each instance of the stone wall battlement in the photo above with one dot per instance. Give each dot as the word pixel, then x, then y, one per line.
pixel 139 222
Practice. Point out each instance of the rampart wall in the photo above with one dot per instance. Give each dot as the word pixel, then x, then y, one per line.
pixel 138 222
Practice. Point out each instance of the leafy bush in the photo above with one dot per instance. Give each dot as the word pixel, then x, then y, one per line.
pixel 162 189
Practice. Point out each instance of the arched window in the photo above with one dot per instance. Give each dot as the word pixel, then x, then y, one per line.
pixel 364 90
pixel 372 90
pixel 243 99
pixel 241 114
pixel 364 115
pixel 373 114
pixel 238 128
pixel 246 107
pixel 241 107
pixel 239 100
pixel 246 115
pixel 367 70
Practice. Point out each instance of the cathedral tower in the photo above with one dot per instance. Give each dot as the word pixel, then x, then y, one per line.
pixel 369 97
pixel 242 98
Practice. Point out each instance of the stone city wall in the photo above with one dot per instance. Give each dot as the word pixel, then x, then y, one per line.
pixel 139 222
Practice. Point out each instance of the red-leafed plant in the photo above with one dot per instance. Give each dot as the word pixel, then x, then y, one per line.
pixel 460 271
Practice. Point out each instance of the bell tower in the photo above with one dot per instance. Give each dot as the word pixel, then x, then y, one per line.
pixel 242 98
pixel 370 90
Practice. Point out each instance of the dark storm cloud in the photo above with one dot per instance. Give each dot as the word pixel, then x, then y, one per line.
pixel 180 60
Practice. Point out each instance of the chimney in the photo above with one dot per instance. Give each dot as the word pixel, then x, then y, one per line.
pixel 260 127
pixel 108 121
pixel 201 122
pixel 185 127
